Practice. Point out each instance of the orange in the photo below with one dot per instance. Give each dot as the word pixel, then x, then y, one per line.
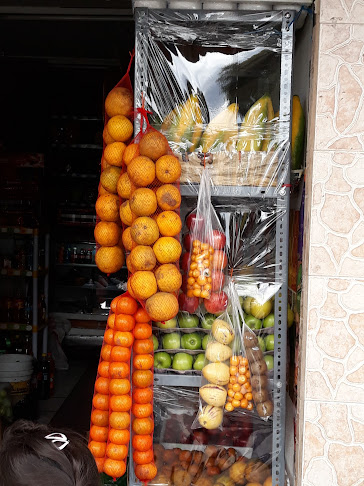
pixel 143 202
pixel 142 443
pixel 114 302
pixel 119 420
pixel 106 352
pixel 100 464
pixel 143 284
pixel 120 128
pixel 143 361
pixel 124 339
pixel 109 179
pixel 119 436
pixel 143 457
pixel 99 434
pixel 141 171
pixel 142 395
pixel 106 136
pixel 102 385
pixel 97 449
pixel 219 260
pixel 153 145
pixel 114 469
pixel 142 410
pixel 162 306
pixel 143 426
pixel 116 451
pixel 119 370
pixel 101 402
pixel 168 169
pixel 104 164
pixel 143 346
pixel 107 207
pixel 131 269
pixel 124 322
pixel 103 191
pixel 119 353
pixel 142 258
pixel 127 240
pixel 113 153
pixel 146 472
pixel 169 223
pixel 109 336
pixel 126 215
pixel 109 259
pixel 103 369
pixel 141 315
pixel 168 197
pixel 142 330
pixel 126 305
pixel 107 233
pixel 119 386
pixel 144 231
pixel 268 481
pixel 119 101
pixel 120 403
pixel 130 153
pixel 123 186
pixel 100 418
pixel 129 289
pixel 169 278
pixel 142 378
pixel 167 249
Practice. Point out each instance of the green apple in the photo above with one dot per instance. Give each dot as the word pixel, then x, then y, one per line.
pixel 162 360
pixel 199 362
pixel 260 310
pixel 269 342
pixel 171 324
pixel 207 321
pixel 205 341
pixel 246 304
pixel 269 361
pixel 261 343
pixel 191 341
pixel 172 340
pixel 253 322
pixel 182 361
pixel 186 320
pixel 268 321
pixel 290 317
pixel 155 342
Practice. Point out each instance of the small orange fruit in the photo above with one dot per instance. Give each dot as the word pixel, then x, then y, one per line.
pixel 129 289
pixel 116 451
pixel 107 233
pixel 167 249
pixel 120 128
pixel 127 240
pixel 111 321
pixel 114 469
pixel 119 386
pixel 143 426
pixel 114 303
pixel 119 101
pixel 120 403
pixel 130 153
pixel 103 369
pixel 143 202
pixel 106 352
pixel 142 258
pixel 107 207
pixel 142 410
pixel 144 231
pixel 102 385
pixel 143 346
pixel 104 164
pixel 106 136
pixel 131 269
pixel 143 361
pixel 153 145
pixel 124 339
pixel 99 434
pixel 144 284
pixel 124 322
pixel 142 330
pixel 98 449
pixel 141 315
pixel 119 353
pixel 168 169
pixel 169 278
pixel 113 153
pixel 145 472
pixel 109 178
pixel 109 336
pixel 109 259
pixel 126 215
pixel 141 171
pixel 168 197
pixel 100 418
pixel 123 186
pixel 143 457
pixel 101 402
pixel 142 378
pixel 119 436
pixel 169 223
pixel 119 370
pixel 100 464
pixel 142 395
pixel 102 191
pixel 142 443
pixel 162 306
pixel 119 420
pixel 126 305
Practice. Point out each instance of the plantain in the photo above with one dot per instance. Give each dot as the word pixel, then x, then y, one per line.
pixel 221 129
pixel 251 135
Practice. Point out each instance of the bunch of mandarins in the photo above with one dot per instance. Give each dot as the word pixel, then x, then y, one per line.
pixel 118 130
pixel 112 401
pixel 152 224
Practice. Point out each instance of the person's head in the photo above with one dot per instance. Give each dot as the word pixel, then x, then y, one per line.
pixel 37 455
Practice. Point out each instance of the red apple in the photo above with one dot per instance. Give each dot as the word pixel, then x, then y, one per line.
pixel 185 261
pixel 184 283
pixel 187 241
pixel 188 304
pixel 219 261
pixel 218 239
pixel 216 303
pixel 218 280
pixel 192 222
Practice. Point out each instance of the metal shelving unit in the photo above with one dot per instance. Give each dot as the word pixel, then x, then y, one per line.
pixel 279 194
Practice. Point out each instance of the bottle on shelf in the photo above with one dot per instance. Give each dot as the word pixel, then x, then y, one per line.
pixel 52 369
pixel 43 378
pixel 89 256
pixel 61 254
pixel 42 311
pixel 18 345
pixel 9 308
pixel 74 256
pixel 67 255
pixel 82 256
pixel 28 344
pixel 19 308
pixel 28 314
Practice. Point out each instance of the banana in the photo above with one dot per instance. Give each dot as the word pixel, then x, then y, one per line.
pixel 221 129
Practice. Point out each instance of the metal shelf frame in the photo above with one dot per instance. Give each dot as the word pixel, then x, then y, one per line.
pixel 280 194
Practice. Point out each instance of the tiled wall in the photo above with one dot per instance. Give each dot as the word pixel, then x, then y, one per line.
pixel 331 400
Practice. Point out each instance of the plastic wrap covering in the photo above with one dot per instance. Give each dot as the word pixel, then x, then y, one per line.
pixel 213 87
